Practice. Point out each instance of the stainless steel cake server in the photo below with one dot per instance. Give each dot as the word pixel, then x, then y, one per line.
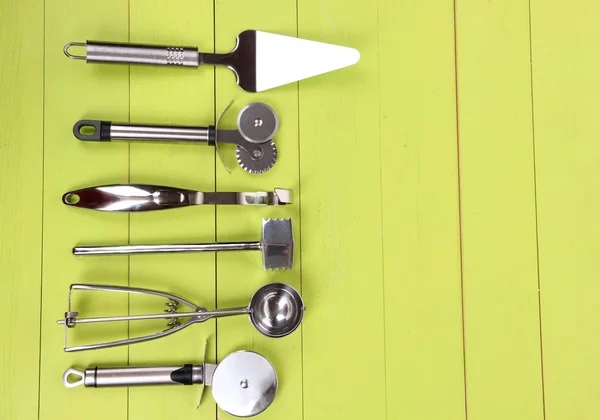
pixel 260 60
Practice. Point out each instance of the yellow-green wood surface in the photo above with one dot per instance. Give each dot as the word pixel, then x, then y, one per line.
pixel 446 210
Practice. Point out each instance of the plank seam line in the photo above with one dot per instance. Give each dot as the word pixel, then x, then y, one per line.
pixel 39 384
pixel 460 227
pixel 215 212
pixel 128 214
pixel 537 238
pixel 381 218
pixel 300 221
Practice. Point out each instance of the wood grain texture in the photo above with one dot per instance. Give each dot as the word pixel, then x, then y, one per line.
pixel 163 95
pixel 497 192
pixel 340 176
pixel 74 91
pixel 421 243
pixel 21 160
pixel 239 274
pixel 566 62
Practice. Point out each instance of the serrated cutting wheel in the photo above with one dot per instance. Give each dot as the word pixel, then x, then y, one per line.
pixel 258 161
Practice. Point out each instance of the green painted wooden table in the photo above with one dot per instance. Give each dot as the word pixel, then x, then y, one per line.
pixel 446 217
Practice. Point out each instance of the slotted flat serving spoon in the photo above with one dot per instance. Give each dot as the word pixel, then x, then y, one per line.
pixel 260 60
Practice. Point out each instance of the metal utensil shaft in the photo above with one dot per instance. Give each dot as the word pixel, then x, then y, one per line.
pixel 140 376
pixel 158 133
pixel 105 52
pixel 96 130
pixel 153 249
pixel 204 314
pixel 135 376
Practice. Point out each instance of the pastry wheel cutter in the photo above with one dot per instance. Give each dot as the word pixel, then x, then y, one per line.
pixel 244 383
pixel 257 124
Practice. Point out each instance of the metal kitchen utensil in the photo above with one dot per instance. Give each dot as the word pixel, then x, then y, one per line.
pixel 275 310
pixel 257 124
pixel 244 383
pixel 142 197
pixel 277 246
pixel 260 60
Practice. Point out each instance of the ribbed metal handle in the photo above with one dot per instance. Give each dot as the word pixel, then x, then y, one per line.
pixel 105 52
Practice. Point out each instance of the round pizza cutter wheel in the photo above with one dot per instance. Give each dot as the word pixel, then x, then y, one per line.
pixel 257 122
pixel 244 384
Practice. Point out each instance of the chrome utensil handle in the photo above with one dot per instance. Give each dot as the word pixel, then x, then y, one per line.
pixel 144 197
pixel 129 198
pixel 134 376
pixel 122 53
pixel 94 130
pixel 153 249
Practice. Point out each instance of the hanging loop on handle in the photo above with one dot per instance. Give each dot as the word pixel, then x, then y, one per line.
pixel 74 56
pixel 75 372
pixel 92 130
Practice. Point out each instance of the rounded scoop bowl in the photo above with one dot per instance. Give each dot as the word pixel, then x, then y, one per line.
pixel 276 310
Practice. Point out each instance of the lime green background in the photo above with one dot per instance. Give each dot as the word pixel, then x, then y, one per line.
pixel 446 218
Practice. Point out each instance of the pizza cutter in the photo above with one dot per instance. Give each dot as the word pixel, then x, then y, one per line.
pixel 244 383
pixel 257 124
pixel 260 60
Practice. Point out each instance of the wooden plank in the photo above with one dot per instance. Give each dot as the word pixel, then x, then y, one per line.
pixel 340 176
pixel 566 62
pixel 421 242
pixel 73 91
pixel 21 165
pixel 501 316
pixel 241 273
pixel 180 97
